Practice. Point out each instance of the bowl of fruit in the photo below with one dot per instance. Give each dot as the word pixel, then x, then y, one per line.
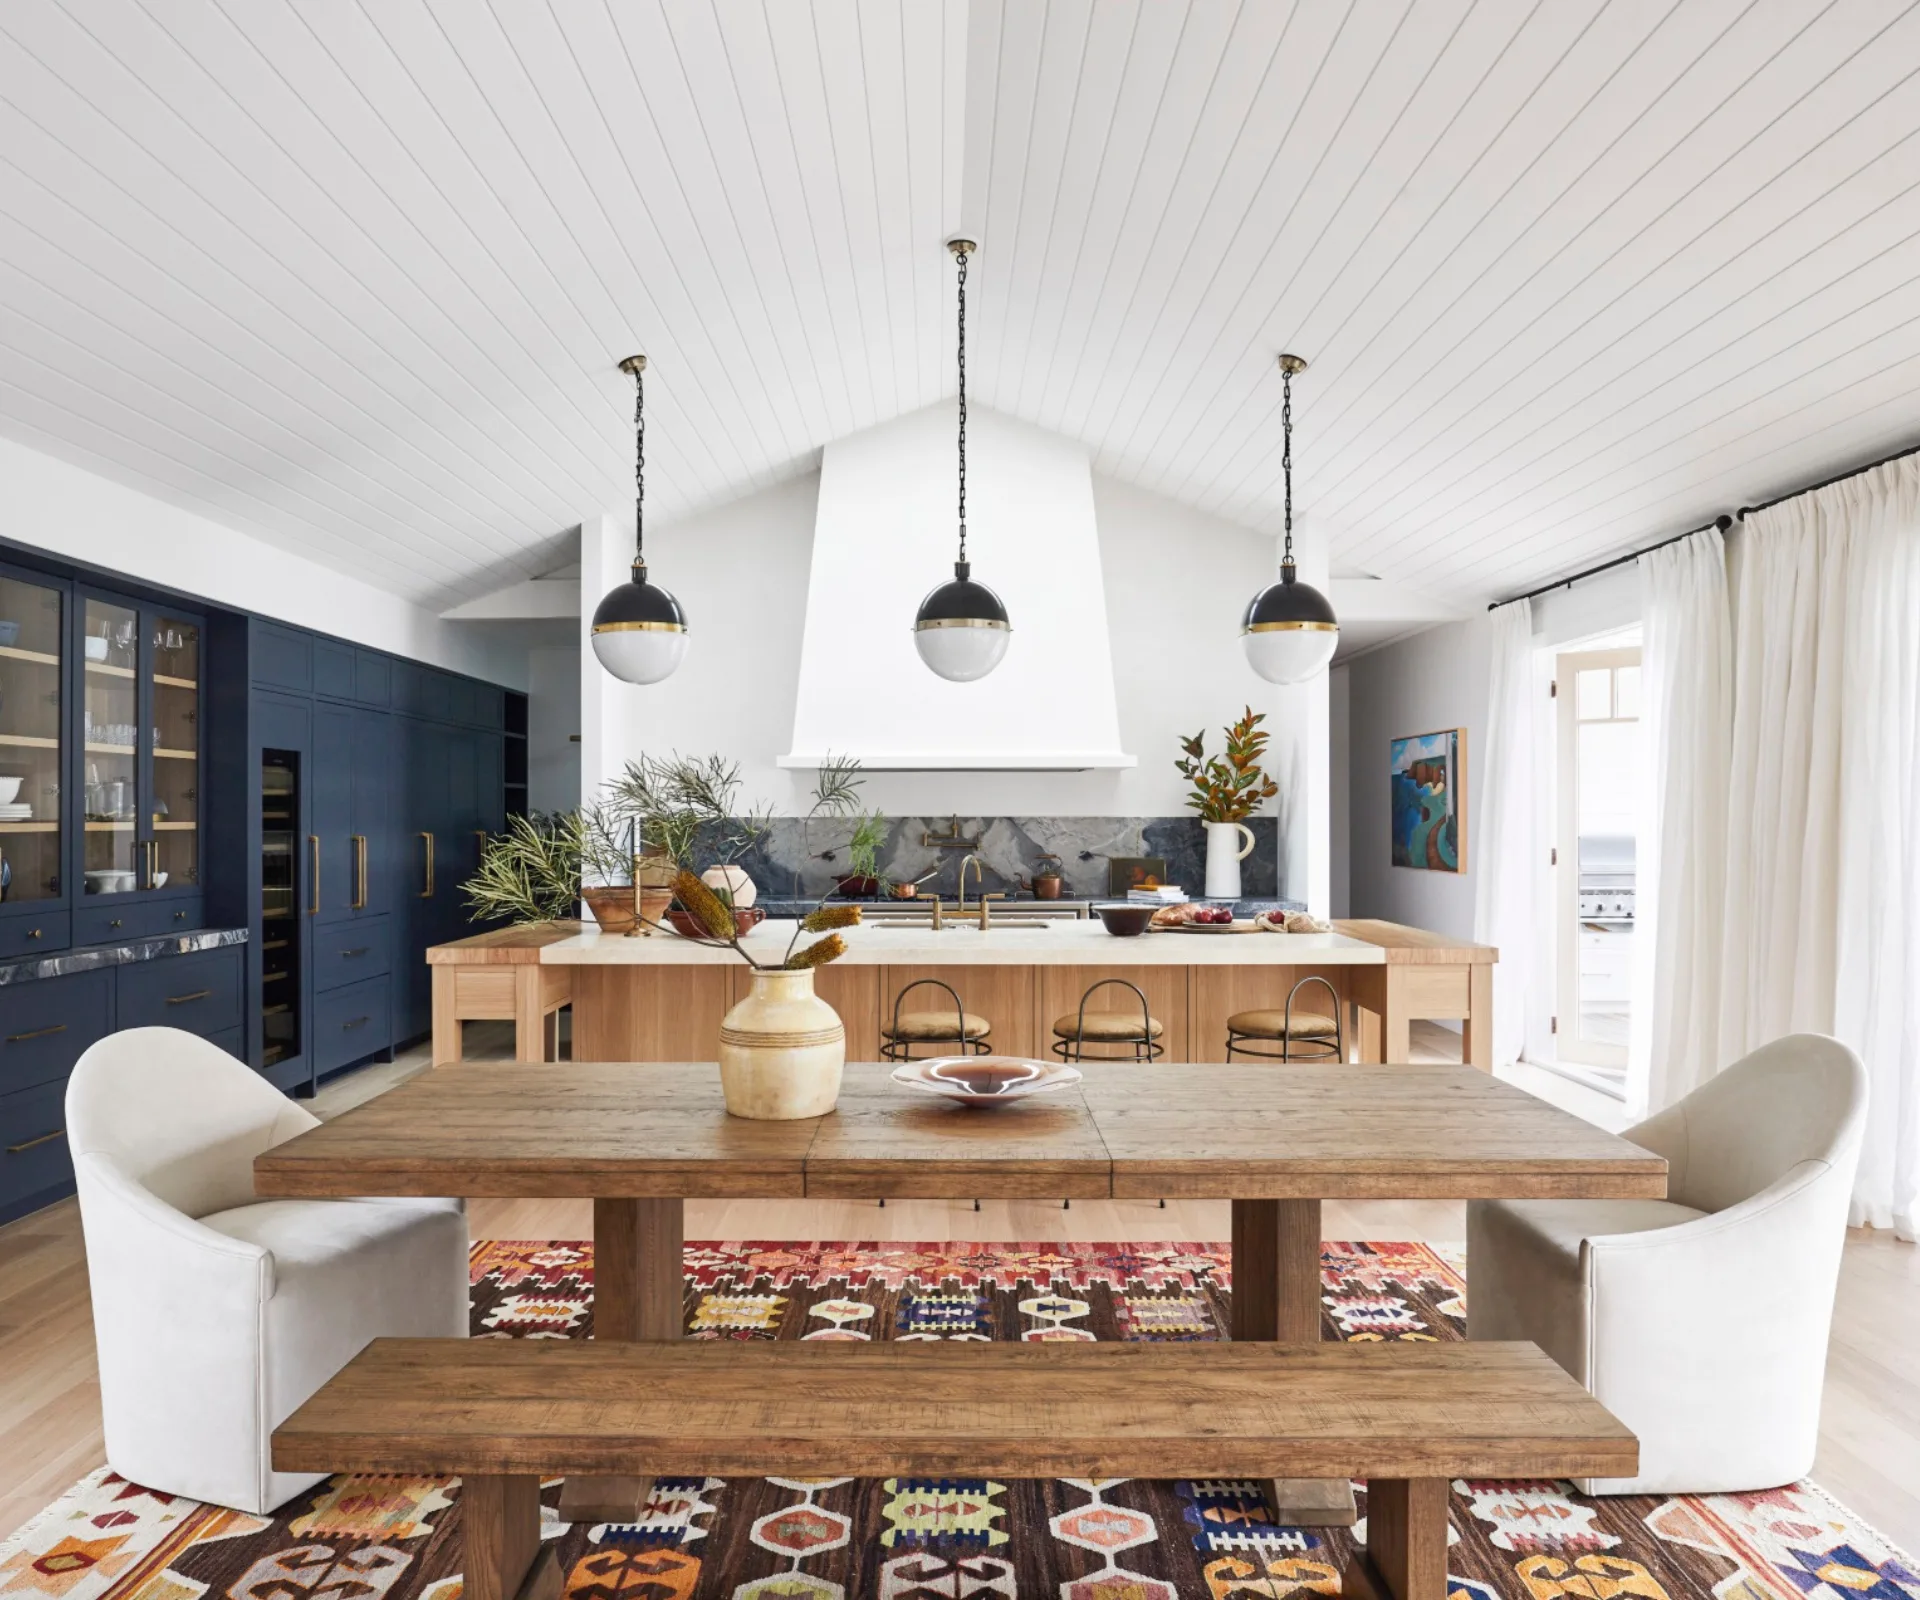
pixel 1201 919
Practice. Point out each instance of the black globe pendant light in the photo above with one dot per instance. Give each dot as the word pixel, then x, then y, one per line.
pixel 1290 631
pixel 639 630
pixel 962 631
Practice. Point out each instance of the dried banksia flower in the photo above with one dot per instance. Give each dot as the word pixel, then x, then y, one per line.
pixel 818 954
pixel 823 918
pixel 703 905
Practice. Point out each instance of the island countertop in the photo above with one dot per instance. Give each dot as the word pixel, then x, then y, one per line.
pixel 1064 943
pixel 660 997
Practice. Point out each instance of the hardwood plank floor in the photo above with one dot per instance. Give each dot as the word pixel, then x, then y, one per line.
pixel 50 1394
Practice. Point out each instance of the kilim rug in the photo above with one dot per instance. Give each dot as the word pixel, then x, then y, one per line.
pixel 363 1538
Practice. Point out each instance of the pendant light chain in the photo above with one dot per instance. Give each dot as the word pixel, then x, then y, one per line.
pixel 961 256
pixel 1286 455
pixel 640 467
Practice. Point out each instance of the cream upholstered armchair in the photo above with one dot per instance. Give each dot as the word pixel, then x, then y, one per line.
pixel 215 1314
pixel 1700 1320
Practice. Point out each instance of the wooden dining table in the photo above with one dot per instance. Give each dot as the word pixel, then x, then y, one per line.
pixel 640 1140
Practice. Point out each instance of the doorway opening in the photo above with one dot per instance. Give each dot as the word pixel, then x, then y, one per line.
pixel 1598 787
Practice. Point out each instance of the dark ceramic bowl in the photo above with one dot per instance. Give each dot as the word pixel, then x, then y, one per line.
pixel 744 919
pixel 1125 921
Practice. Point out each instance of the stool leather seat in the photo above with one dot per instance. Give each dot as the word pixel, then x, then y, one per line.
pixel 927 1027
pixel 1272 1024
pixel 1105 1027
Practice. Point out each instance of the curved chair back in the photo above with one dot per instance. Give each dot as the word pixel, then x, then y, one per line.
pixel 1802 1098
pixel 178 1115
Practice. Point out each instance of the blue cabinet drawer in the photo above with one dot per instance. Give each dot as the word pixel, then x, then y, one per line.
pixel 351 1022
pixel 35 1165
pixel 46 1023
pixel 198 992
pixel 109 919
pixel 31 935
pixel 348 952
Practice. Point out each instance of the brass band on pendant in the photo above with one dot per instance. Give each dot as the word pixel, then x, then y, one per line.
pixel 962 622
pixel 1291 627
pixel 639 627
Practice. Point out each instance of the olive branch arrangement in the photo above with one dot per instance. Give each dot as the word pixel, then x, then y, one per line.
pixel 1228 788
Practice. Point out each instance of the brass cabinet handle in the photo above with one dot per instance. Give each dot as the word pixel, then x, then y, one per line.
pixel 33 933
pixel 313 849
pixel 362 950
pixel 38 1033
pixel 359 873
pixel 427 893
pixel 182 999
pixel 45 1138
pixel 481 835
pixel 153 861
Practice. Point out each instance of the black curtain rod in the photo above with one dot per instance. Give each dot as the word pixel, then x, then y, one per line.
pixel 1827 483
pixel 1722 523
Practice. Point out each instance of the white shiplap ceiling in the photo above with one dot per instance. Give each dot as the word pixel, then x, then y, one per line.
pixel 354 277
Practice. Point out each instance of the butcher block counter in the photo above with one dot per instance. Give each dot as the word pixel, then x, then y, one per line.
pixel 661 997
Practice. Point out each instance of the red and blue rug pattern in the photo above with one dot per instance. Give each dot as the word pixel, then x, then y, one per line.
pixel 385 1538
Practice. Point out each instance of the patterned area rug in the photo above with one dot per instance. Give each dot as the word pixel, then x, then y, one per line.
pixel 904 1539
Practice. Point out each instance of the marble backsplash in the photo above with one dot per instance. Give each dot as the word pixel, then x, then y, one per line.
pixel 803 861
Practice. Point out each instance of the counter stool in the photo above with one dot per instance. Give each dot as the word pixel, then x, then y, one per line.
pixel 1301 1035
pixel 1076 1030
pixel 958 1031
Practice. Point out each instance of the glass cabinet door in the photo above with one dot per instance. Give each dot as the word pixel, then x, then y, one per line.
pixel 32 640
pixel 110 754
pixel 173 850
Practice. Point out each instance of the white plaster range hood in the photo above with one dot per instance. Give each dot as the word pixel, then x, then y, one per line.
pixel 885 534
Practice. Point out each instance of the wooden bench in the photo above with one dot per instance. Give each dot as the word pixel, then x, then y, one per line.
pixel 1406 1417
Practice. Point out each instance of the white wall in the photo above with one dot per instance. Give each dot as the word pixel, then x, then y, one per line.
pixel 1435 680
pixel 76 515
pixel 1176 583
pixel 1340 790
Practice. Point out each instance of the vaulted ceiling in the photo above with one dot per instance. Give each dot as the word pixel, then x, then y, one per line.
pixel 355 277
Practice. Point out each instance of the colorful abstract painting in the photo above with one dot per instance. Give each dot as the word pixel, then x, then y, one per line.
pixel 1428 775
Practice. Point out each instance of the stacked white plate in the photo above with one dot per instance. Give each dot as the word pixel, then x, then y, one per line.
pixel 20 811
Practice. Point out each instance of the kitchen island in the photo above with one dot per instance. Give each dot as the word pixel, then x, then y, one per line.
pixel 661 997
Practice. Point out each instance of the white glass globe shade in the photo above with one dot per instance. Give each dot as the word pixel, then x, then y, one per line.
pixel 1290 655
pixel 640 655
pixel 962 654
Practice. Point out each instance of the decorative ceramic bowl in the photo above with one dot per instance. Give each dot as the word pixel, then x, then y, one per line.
pixel 1124 921
pixel 745 918
pixel 985 1080
pixel 9 790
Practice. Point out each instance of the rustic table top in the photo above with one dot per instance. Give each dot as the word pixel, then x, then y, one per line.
pixel 607 1130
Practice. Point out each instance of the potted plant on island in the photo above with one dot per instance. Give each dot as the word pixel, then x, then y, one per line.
pixel 531 873
pixel 1226 791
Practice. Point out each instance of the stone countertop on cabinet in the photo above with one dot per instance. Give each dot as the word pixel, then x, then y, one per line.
pixel 1065 942
pixel 122 952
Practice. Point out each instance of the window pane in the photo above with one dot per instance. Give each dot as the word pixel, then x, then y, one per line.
pixel 1626 692
pixel 1594 691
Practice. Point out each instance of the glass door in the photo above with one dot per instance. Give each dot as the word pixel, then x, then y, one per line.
pixel 173 673
pixel 111 735
pixel 32 650
pixel 280 919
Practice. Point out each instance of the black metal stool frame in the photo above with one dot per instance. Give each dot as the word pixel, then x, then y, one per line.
pixel 1308 1049
pixel 897 1049
pixel 1145 1047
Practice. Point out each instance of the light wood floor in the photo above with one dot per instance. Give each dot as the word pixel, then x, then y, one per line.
pixel 50 1396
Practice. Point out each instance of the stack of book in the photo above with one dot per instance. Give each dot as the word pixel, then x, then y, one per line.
pixel 1161 894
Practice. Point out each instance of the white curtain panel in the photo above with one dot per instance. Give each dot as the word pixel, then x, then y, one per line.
pixel 1503 894
pixel 1686 679
pixel 1822 919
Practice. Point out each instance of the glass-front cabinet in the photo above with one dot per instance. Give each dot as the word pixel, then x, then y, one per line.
pixel 33 740
pixel 140 751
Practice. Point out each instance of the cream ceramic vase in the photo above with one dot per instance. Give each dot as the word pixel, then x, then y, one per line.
pixel 781 1050
pixel 1225 851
